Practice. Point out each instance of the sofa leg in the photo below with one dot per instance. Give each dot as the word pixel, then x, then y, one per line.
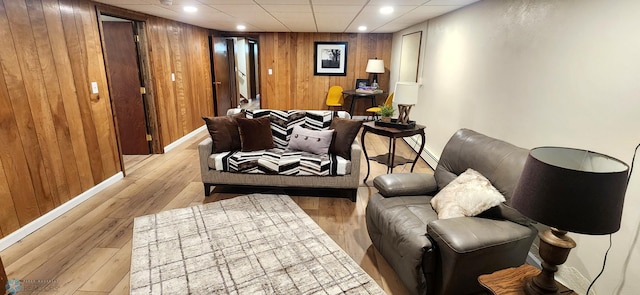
pixel 353 195
pixel 207 189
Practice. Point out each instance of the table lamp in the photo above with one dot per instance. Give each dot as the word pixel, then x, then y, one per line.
pixel 375 67
pixel 406 95
pixel 570 190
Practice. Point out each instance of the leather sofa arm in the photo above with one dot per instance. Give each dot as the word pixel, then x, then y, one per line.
pixel 467 234
pixel 405 184
pixel 471 246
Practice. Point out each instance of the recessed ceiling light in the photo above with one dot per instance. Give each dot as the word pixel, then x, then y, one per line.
pixel 190 9
pixel 386 10
pixel 362 28
pixel 241 27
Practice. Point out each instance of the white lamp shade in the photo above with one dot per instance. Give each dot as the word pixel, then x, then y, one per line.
pixel 406 93
pixel 375 66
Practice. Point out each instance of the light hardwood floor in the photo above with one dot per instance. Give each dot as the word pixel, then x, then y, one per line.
pixel 88 249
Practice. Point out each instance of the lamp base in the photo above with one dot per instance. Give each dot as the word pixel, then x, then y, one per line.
pixel 555 246
pixel 403 113
pixel 530 288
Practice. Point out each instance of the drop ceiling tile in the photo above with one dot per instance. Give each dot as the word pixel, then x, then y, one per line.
pixel 399 2
pixel 421 13
pixel 390 28
pixel 339 2
pixel 303 21
pixel 450 2
pixel 333 22
pixel 283 2
pixel 337 9
pixel 227 2
pixel 273 15
pixel 129 2
pixel 244 9
pixel 287 8
pixel 371 18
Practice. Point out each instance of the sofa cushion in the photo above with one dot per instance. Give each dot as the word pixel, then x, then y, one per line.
pixel 224 132
pixel 469 194
pixel 282 122
pixel 255 134
pixel 346 131
pixel 278 124
pixel 313 141
pixel 281 162
pixel 318 120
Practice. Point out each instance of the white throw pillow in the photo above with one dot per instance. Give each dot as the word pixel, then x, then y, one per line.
pixel 313 141
pixel 468 195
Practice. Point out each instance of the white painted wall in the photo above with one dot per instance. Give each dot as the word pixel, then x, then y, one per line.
pixel 242 49
pixel 542 72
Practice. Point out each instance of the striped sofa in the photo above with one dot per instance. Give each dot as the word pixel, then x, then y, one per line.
pixel 281 167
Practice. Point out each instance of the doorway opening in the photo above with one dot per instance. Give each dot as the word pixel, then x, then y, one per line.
pixel 235 71
pixel 126 63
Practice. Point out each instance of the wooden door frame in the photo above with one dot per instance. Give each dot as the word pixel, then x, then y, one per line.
pixel 254 72
pixel 255 37
pixel 233 73
pixel 144 56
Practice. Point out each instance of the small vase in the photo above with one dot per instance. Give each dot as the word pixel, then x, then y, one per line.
pixel 386 119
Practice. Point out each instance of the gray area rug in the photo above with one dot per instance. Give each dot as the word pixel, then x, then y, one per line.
pixel 255 244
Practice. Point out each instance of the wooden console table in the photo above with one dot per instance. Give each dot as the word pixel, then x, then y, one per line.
pixel 390 159
pixel 510 281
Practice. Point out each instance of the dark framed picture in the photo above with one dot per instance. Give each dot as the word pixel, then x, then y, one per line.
pixel 360 83
pixel 330 59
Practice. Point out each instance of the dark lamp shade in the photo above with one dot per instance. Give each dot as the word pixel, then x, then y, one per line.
pixel 572 190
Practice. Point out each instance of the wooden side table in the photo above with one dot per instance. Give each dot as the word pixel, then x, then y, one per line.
pixel 511 281
pixel 390 159
pixel 357 95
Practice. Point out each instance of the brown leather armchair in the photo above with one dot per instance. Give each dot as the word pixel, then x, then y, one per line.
pixel 446 256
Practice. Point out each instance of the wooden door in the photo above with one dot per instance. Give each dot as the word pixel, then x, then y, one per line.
pixel 253 69
pixel 224 84
pixel 124 81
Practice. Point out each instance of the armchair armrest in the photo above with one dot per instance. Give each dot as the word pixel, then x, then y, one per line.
pixel 471 246
pixel 405 184
pixel 467 234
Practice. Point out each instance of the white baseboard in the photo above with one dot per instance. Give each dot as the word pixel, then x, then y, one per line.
pixel 32 226
pixel 425 154
pixel 183 139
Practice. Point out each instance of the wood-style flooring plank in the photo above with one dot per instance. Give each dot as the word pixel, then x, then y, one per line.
pixel 111 272
pixel 122 288
pixel 79 272
pixel 88 249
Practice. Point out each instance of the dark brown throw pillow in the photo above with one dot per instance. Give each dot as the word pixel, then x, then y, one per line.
pixel 255 134
pixel 346 131
pixel 224 132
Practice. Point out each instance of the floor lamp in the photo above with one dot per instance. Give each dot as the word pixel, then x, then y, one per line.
pixel 570 190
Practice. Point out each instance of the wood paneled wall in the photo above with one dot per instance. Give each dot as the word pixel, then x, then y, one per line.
pixel 293 84
pixel 58 140
pixel 183 50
